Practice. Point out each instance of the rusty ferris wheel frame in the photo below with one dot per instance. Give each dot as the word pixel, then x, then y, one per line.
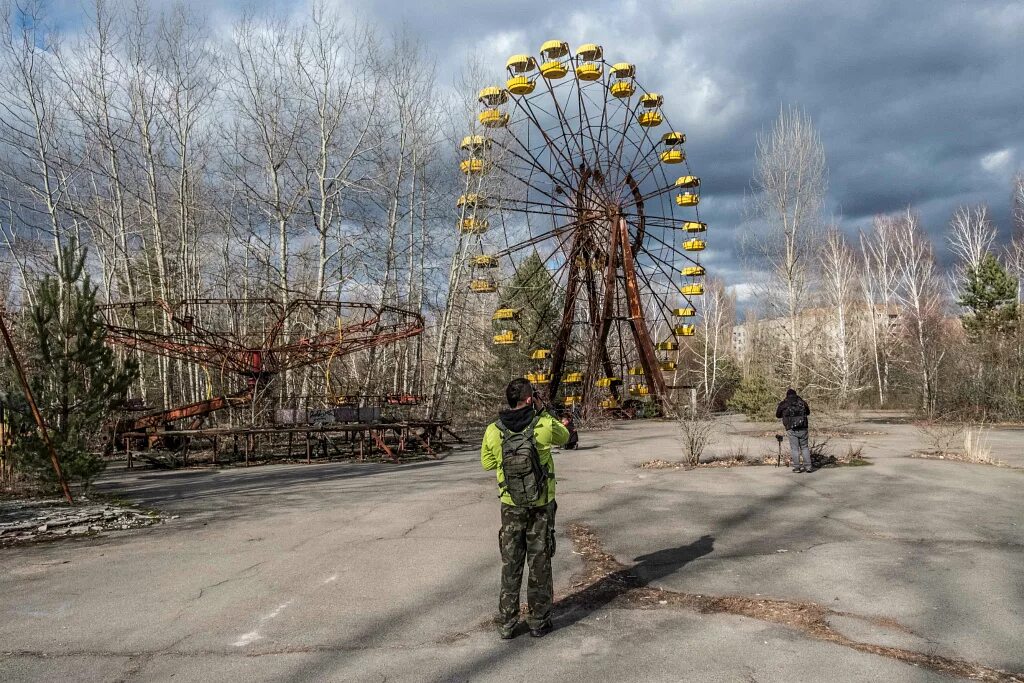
pixel 571 161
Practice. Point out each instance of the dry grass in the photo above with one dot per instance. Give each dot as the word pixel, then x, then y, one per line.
pixel 976 446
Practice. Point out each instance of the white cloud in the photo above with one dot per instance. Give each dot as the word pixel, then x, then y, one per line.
pixel 999 163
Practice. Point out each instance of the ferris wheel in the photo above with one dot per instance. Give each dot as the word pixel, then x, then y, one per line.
pixel 574 167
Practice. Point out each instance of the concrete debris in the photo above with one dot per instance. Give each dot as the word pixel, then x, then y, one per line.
pixel 27 521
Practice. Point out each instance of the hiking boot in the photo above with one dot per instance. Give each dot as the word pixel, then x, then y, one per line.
pixel 541 630
pixel 506 633
pixel 798 469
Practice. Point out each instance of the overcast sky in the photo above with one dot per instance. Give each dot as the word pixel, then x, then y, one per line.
pixel 919 102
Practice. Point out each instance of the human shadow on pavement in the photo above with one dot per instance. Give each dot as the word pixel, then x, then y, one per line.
pixel 618 583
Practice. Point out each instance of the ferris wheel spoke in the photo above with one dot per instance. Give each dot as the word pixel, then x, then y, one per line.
pixel 663 305
pixel 526 106
pixel 534 164
pixel 560 113
pixel 673 249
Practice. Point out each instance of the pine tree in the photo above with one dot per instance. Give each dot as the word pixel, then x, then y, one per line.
pixel 76 378
pixel 989 294
pixel 534 293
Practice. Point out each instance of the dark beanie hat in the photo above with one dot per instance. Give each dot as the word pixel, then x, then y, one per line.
pixel 790 392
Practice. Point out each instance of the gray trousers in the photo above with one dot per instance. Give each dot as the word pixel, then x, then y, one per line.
pixel 799 448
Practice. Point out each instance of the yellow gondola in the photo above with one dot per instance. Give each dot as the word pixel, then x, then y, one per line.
pixel 694 245
pixel 650 119
pixel 668 365
pixel 473 226
pixel 623 86
pixel 573 378
pixel 482 286
pixel 589 71
pixel 472 166
pixel 686 312
pixel 667 346
pixel 673 138
pixel 554 66
pixel 692 290
pixel 688 181
pixel 639 390
pixel 623 70
pixel 589 52
pixel 685 330
pixel 492 96
pixel 506 337
pixel 474 143
pixel 623 89
pixel 687 199
pixel 473 200
pixel 694 226
pixel 609 404
pixel 588 55
pixel 483 261
pixel 606 382
pixel 506 314
pixel 538 378
pixel 540 354
pixel 573 400
pixel 637 370
pixel 520 64
pixel 520 85
pixel 693 271
pixel 492 118
pixel 673 153
pixel 651 100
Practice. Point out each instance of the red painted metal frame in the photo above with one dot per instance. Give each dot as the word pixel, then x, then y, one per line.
pixel 263 355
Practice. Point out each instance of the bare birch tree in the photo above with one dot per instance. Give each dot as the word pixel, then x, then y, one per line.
pixel 790 178
pixel 921 298
pixel 716 323
pixel 839 269
pixel 879 281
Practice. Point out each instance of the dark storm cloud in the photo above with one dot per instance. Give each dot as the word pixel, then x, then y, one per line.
pixel 919 102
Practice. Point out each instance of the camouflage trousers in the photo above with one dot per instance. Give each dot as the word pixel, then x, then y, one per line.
pixel 527 534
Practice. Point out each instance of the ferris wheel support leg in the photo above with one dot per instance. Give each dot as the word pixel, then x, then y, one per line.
pixel 601 339
pixel 565 329
pixel 637 323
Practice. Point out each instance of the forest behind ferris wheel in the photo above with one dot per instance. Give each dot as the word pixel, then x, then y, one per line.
pixel 575 166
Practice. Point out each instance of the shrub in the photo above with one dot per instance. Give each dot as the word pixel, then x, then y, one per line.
pixel 755 398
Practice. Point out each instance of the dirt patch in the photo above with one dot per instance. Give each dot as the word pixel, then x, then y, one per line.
pixel 606 582
pixel 31 521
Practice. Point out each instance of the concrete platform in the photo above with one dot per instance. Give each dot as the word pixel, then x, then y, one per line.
pixel 379 571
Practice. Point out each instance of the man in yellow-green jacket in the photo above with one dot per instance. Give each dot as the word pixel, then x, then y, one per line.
pixel 518 445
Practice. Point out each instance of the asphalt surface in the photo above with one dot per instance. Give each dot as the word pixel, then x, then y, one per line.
pixel 368 572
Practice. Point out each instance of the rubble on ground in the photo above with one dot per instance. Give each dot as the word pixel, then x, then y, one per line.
pixel 27 521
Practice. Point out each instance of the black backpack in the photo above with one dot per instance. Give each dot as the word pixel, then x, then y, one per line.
pixel 525 477
pixel 794 415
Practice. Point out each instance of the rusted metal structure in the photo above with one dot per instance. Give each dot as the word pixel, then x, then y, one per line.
pixel 256 338
pixel 252 339
pixel 575 162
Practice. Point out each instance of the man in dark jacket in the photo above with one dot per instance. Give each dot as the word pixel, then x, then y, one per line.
pixel 793 411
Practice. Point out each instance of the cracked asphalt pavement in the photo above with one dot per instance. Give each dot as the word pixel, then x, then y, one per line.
pixel 364 572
